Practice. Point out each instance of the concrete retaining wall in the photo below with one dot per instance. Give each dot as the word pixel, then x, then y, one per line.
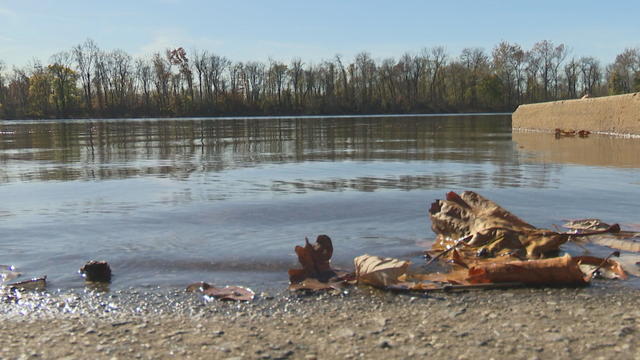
pixel 618 114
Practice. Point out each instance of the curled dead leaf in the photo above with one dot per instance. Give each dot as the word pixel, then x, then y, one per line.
pixel 316 273
pixel 494 231
pixel 608 268
pixel 378 271
pixel 315 260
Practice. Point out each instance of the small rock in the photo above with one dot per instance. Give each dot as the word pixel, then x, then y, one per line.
pixel 285 355
pixel 344 333
pixel 455 313
pixel 385 344
pixel 554 337
pixel 381 321
pixel 627 330
pixel 97 271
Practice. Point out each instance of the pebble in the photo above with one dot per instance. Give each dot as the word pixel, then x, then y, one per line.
pixel 454 313
pixel 627 330
pixel 344 333
pixel 554 337
pixel 384 344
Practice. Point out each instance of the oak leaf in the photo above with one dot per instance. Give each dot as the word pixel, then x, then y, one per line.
pixel 315 260
pixel 492 230
pixel 378 271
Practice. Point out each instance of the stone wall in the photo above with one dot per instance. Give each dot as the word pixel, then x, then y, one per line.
pixel 618 114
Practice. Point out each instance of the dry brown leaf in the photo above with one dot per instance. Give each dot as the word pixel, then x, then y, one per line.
pixel 228 293
pixel 494 231
pixel 200 286
pixel 315 260
pixel 316 285
pixel 586 224
pixel 378 271
pixel 608 268
pixel 564 133
pixel 316 273
pixel 555 271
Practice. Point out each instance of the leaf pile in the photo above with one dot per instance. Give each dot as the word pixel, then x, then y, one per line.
pixel 483 244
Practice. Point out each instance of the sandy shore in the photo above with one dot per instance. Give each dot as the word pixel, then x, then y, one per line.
pixel 619 114
pixel 600 321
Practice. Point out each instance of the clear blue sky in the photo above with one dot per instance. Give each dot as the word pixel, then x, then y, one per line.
pixel 312 30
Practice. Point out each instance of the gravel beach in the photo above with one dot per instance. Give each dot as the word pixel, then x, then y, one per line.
pixel 599 321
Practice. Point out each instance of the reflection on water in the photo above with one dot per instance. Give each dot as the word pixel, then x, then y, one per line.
pixel 172 201
pixel 595 150
pixel 186 149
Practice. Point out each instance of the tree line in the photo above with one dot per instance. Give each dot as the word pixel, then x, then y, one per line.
pixel 87 81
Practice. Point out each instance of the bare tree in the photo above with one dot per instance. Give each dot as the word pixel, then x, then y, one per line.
pixel 255 80
pixel 591 74
pixel 508 60
pixel 571 71
pixel 438 61
pixel 296 73
pixel 144 76
pixel 85 56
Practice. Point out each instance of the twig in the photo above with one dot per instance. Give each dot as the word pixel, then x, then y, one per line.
pixel 458 242
pixel 604 261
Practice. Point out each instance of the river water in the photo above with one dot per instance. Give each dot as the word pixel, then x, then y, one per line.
pixel 172 201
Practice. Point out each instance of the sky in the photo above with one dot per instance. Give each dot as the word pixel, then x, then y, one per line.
pixel 244 30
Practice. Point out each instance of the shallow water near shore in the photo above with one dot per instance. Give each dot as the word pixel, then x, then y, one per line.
pixel 172 201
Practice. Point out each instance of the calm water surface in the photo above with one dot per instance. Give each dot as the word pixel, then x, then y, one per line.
pixel 172 201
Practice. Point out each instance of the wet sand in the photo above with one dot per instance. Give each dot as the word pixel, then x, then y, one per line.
pixel 600 321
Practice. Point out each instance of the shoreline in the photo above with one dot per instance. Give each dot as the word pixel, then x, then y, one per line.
pixel 250 117
pixel 596 321
pixel 616 114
